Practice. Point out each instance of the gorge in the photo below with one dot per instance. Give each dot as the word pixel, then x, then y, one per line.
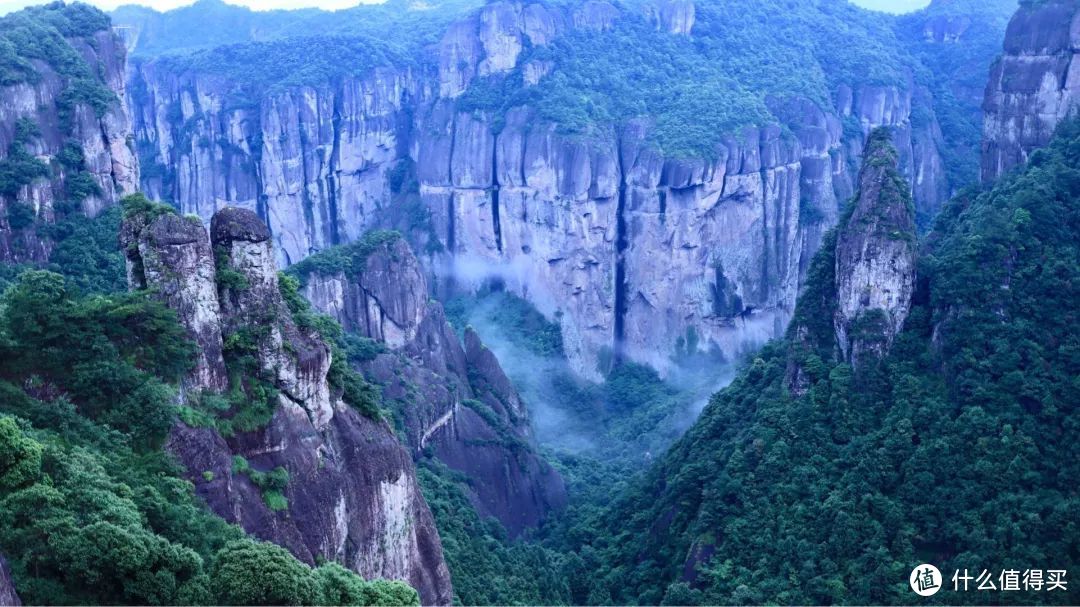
pixel 439 303
pixel 507 191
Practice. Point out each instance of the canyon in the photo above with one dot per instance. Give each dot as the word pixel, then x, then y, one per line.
pixel 629 248
pixel 374 197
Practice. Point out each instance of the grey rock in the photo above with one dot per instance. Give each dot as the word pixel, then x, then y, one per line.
pixel 875 258
pixel 172 256
pixel 1033 86
pixel 8 596
pixel 352 492
pixel 105 141
pixel 540 211
pixel 456 402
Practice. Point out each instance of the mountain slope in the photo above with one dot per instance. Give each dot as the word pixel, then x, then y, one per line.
pixel 957 449
pixel 92 510
pixel 64 131
pixel 294 443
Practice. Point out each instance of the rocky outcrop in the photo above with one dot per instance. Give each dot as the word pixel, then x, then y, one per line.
pixel 875 257
pixel 64 121
pixel 673 16
pixel 172 255
pixel 1033 86
pixel 351 494
pixel 629 249
pixel 455 403
pixel 8 596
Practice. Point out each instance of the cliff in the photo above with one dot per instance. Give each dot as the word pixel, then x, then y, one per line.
pixel 8 596
pixel 272 439
pixel 65 138
pixel 1033 86
pixel 875 258
pixel 630 247
pixel 453 400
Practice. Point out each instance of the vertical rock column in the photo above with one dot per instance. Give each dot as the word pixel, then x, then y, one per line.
pixel 875 257
pixel 1033 86
pixel 171 255
pixel 298 360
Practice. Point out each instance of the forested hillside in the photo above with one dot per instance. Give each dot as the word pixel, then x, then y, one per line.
pixel 92 510
pixel 958 448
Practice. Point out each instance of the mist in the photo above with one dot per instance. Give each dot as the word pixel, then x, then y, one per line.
pixel 571 414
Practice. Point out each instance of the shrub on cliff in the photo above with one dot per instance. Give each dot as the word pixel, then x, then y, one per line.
pixel 247 572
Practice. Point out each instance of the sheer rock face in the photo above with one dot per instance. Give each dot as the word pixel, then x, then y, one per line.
pixel 172 255
pixel 299 361
pixel 1033 86
pixel 8 596
pixel 312 162
pixel 456 402
pixel 628 248
pixel 673 16
pixel 105 140
pixel 352 492
pixel 875 258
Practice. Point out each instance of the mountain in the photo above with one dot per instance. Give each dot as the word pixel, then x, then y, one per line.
pixel 210 23
pixel 633 226
pixel 98 495
pixel 64 129
pixel 957 40
pixel 450 395
pixel 802 491
pixel 275 436
pixel 432 293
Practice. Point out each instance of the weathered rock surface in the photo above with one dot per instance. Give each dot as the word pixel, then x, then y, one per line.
pixel 8 596
pixel 172 255
pixel 105 139
pixel 455 402
pixel 875 257
pixel 630 249
pixel 352 492
pixel 1033 86
pixel 312 162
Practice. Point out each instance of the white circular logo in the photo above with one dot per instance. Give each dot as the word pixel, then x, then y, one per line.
pixel 926 580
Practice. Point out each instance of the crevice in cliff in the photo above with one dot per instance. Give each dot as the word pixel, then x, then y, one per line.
pixel 332 172
pixel 451 243
pixel 766 240
pixel 112 165
pixel 496 225
pixel 620 261
pixel 307 203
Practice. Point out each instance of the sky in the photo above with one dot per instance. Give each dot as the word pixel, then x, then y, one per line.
pixel 893 6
